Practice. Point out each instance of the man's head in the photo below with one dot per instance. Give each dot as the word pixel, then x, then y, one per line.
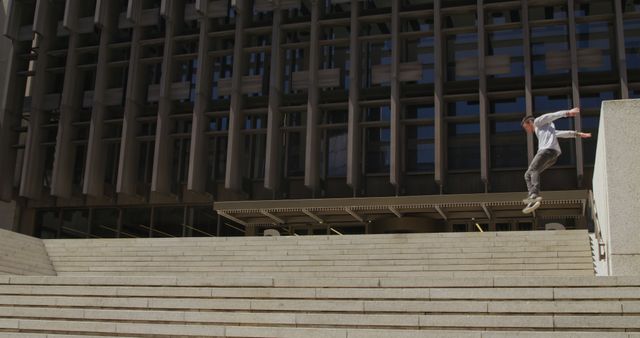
pixel 527 124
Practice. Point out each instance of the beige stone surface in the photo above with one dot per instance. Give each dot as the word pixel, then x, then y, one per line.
pixel 616 184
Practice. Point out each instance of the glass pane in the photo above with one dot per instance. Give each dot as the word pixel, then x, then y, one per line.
pixel 377 150
pixel 419 112
pixel 135 222
pixel 463 108
pixel 168 222
pixel 104 222
pixel 295 153
pixel 632 43
pixel 550 49
pixel 506 43
pixel 507 106
pixel 76 221
pixel 462 56
pixel 594 46
pixel 335 158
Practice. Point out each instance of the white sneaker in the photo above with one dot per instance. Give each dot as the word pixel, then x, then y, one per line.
pixel 531 207
pixel 532 198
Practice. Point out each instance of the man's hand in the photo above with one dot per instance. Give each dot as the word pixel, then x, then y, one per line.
pixel 573 112
pixel 583 135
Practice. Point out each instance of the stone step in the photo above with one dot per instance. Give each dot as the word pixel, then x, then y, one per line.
pixel 297 241
pixel 111 318
pixel 435 256
pixel 330 265
pixel 362 237
pixel 322 251
pixel 516 282
pixel 270 331
pixel 582 250
pixel 311 263
pixel 351 274
pixel 301 268
pixel 269 244
pixel 378 300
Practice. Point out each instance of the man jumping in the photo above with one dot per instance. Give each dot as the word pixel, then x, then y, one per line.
pixel 548 150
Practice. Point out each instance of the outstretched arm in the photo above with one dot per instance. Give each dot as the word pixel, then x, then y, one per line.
pixel 571 134
pixel 550 117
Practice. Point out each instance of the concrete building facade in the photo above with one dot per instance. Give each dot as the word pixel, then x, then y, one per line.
pixel 131 117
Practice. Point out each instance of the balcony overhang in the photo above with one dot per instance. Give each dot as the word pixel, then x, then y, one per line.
pixel 489 206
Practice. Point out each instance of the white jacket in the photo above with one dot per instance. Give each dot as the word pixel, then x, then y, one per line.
pixel 547 133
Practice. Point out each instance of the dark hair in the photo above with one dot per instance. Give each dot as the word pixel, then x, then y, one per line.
pixel 525 119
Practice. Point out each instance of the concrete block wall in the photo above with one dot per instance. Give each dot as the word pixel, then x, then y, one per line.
pixel 616 184
pixel 23 255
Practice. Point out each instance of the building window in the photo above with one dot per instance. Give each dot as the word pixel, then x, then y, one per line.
pixel 507 138
pixel 463 150
pixel 506 58
pixel 508 144
pixel 104 222
pixel 75 223
pixel 550 50
pixel 547 12
pixel 377 139
pixel 462 56
pixel 136 222
pixel 222 69
pixel 334 143
pixel 374 54
pixel 377 147
pixel 336 57
pixel 335 9
pixel 594 47
pixel 420 148
pixel 294 126
pixel 420 50
pixel 502 16
pixel 463 108
pixel 48 223
pixel 295 60
pixel 593 7
pixel 632 43
pixel 255 141
pixel 168 222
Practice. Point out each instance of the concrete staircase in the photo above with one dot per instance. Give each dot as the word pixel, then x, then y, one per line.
pixel 516 284
pixel 23 255
pixel 442 255
pixel 322 307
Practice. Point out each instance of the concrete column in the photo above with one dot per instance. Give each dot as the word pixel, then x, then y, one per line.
pixel 312 150
pixel 395 170
pixel 575 88
pixel 273 170
pixel 620 51
pixel 354 139
pixel 233 175
pixel 129 147
pixel 616 185
pixel 11 91
pixel 107 18
pixel 528 90
pixel 438 103
pixel 197 179
pixel 33 163
pixel 163 154
pixel 484 100
pixel 62 178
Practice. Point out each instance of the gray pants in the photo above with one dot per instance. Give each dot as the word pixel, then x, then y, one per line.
pixel 544 159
